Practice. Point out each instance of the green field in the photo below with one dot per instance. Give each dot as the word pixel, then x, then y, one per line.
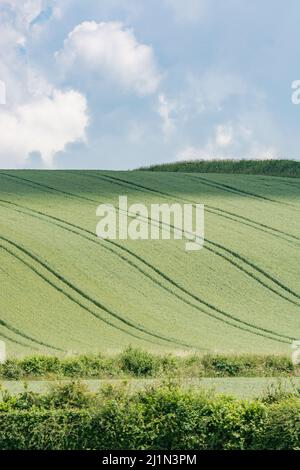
pixel 65 291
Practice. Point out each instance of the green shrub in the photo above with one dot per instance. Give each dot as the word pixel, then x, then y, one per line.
pixel 69 395
pixel 11 370
pixel 38 366
pixel 223 366
pixel 279 364
pixel 139 363
pixel 73 367
pixel 45 430
pixel 181 419
pixel 26 400
pixel 282 428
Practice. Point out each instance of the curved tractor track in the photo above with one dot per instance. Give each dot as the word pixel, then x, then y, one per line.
pixel 224 315
pixel 77 290
pixel 207 241
pixel 238 257
pixel 115 319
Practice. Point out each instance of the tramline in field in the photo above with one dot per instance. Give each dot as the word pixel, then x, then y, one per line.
pixel 66 291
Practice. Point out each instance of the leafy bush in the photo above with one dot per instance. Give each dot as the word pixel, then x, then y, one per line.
pixel 139 363
pixel 39 365
pixel 282 427
pixel 69 395
pixel 88 366
pixel 12 370
pixel 223 366
pixel 44 429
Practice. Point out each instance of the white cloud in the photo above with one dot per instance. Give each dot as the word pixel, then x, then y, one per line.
pixel 210 94
pixel 165 109
pixel 37 117
pixel 45 125
pixel 14 32
pixel 224 135
pixel 112 52
pixel 24 12
pixel 229 142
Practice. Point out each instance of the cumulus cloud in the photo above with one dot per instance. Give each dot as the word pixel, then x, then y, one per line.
pixel 229 141
pixel 37 119
pixel 112 52
pixel 44 125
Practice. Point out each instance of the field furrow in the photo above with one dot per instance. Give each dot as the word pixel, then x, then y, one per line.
pixel 238 294
pixel 225 316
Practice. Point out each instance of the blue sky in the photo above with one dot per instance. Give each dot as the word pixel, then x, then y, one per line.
pixel 117 84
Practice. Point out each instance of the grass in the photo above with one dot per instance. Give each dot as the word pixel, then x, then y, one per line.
pixel 65 292
pixel 239 387
pixel 287 168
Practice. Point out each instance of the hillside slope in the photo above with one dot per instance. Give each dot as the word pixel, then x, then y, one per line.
pixel 64 290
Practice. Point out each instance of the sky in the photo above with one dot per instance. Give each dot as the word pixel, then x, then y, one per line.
pixel 120 84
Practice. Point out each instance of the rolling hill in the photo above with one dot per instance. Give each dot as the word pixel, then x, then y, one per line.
pixel 63 290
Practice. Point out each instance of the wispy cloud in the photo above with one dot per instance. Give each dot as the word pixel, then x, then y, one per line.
pixel 229 141
pixel 165 109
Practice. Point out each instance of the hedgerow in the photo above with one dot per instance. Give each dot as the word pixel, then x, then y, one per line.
pixel 162 418
pixel 290 168
pixel 137 363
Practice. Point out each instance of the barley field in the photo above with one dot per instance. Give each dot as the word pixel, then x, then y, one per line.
pixel 64 291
